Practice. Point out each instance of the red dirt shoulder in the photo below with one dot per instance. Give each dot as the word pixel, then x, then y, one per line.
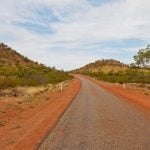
pixel 26 130
pixel 131 95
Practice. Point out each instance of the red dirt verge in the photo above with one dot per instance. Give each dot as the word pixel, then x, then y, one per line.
pixel 132 95
pixel 28 128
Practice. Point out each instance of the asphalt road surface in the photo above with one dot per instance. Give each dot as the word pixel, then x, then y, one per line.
pixel 97 120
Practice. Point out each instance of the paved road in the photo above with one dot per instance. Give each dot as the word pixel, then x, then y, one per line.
pixel 97 120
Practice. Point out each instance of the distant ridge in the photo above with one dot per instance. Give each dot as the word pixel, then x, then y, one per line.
pixel 105 65
pixel 114 71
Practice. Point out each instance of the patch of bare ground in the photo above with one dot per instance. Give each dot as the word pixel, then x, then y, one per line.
pixel 28 114
pixel 138 94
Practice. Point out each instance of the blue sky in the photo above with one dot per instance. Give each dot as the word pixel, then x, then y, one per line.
pixel 71 33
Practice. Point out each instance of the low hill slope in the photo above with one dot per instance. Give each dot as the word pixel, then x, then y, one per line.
pixel 114 71
pixel 17 70
pixel 105 65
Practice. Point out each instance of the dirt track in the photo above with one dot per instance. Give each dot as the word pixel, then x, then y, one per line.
pixel 97 120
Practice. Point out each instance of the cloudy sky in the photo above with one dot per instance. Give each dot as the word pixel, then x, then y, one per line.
pixel 70 33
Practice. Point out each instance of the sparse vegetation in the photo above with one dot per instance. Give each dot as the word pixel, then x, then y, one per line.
pixel 128 76
pixel 17 70
pixel 116 72
pixel 2 123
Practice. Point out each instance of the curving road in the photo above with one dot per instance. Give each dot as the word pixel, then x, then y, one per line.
pixel 97 120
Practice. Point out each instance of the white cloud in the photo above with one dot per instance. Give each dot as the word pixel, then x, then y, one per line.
pixel 80 25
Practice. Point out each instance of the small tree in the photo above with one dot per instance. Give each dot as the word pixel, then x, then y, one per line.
pixel 143 57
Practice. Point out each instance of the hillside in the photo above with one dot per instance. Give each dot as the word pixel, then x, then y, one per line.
pixel 105 65
pixel 114 71
pixel 9 57
pixel 17 70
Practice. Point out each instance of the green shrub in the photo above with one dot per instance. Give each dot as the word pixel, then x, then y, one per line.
pixel 30 76
pixel 131 75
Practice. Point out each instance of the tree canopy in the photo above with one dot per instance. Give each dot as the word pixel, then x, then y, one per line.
pixel 143 57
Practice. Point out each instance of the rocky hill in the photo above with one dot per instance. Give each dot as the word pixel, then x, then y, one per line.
pixel 17 70
pixel 105 65
pixel 9 57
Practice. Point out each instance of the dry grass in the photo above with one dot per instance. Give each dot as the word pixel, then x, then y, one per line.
pixel 144 88
pixel 2 123
pixel 30 94
pixel 107 69
pixel 16 100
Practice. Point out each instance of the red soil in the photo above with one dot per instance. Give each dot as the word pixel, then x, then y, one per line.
pixel 132 95
pixel 25 129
